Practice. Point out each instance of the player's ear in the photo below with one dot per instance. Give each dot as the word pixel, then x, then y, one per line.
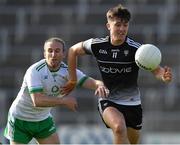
pixel 44 54
pixel 108 26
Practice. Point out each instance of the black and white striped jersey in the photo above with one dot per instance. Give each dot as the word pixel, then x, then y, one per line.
pixel 118 68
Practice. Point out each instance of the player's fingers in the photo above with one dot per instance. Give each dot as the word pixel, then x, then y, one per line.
pixel 167 69
pixel 107 92
pixel 99 91
pixel 96 93
pixel 167 78
pixel 102 92
pixel 64 92
pixel 75 107
pixel 67 89
pixel 168 73
pixel 72 103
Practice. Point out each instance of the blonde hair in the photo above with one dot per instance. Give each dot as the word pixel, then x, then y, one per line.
pixel 56 39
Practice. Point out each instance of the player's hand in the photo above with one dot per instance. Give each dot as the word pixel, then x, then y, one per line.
pixel 68 87
pixel 167 76
pixel 102 91
pixel 70 103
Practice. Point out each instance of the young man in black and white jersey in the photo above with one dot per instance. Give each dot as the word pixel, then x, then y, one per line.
pixel 121 111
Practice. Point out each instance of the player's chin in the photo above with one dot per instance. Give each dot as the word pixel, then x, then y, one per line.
pixel 55 62
pixel 120 37
pixel 54 65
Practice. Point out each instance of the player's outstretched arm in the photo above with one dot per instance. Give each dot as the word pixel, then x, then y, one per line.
pixel 41 100
pixel 100 89
pixel 73 53
pixel 163 73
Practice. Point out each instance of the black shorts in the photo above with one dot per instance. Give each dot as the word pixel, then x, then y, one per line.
pixel 132 114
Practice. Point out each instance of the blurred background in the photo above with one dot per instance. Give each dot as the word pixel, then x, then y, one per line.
pixel 26 24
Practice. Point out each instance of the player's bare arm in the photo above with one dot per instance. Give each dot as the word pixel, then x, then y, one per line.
pixel 97 85
pixel 41 100
pixel 163 73
pixel 73 52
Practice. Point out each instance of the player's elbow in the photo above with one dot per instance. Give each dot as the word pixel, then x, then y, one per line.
pixel 77 49
pixel 36 101
pixel 73 51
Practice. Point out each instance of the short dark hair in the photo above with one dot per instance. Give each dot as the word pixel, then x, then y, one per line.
pixel 118 11
pixel 56 39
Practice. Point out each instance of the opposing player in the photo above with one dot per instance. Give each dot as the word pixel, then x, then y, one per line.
pixel 121 110
pixel 29 115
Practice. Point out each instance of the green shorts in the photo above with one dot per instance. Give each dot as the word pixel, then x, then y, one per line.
pixel 23 131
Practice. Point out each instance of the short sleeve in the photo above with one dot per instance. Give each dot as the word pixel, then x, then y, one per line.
pixel 80 75
pixel 81 78
pixel 33 81
pixel 87 46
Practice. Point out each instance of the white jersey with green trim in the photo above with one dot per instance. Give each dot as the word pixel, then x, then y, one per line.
pixel 38 78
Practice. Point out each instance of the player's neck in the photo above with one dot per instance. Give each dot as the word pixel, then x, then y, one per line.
pixel 117 42
pixel 53 69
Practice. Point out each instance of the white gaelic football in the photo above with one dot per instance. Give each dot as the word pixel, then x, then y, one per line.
pixel 148 57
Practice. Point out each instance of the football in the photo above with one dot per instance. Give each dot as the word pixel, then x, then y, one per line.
pixel 148 57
